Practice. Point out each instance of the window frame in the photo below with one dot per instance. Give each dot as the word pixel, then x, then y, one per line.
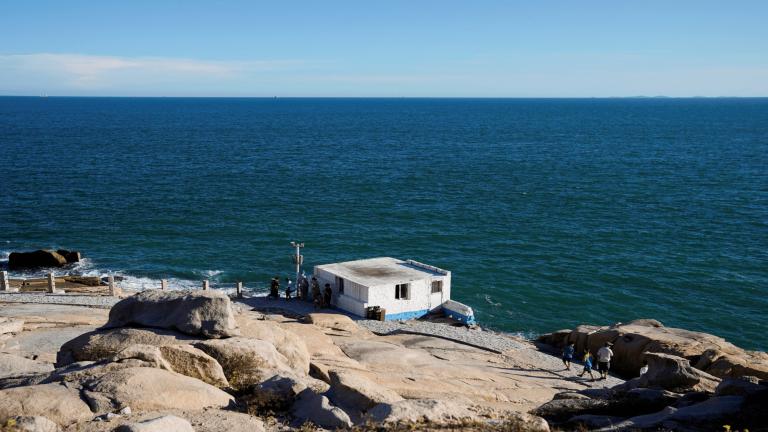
pixel 400 288
pixel 439 284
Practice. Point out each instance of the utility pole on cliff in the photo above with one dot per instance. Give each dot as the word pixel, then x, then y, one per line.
pixel 297 259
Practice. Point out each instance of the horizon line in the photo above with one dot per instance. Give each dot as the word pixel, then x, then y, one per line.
pixel 379 97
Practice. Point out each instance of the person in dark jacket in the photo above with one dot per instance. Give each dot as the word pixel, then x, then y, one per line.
pixel 274 287
pixel 327 293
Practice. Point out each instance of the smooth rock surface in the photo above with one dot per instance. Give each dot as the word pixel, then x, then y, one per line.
pixel 198 313
pixel 34 424
pixel 352 390
pixel 290 345
pixel 12 365
pixel 53 401
pixel 146 389
pixel 168 423
pixel 419 411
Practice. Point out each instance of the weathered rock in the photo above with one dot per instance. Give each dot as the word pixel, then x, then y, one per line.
pixel 570 395
pixel 642 422
pixel 167 423
pixel 197 313
pixel 706 352
pixel 287 343
pixel 352 390
pixel 333 321
pixel 22 380
pixel 744 386
pixel 36 259
pixel 12 365
pixel 192 362
pixel 316 408
pixel 674 373
pixel 245 361
pixel 146 389
pixel 523 422
pixel 184 359
pixel 418 411
pixel 712 411
pixel 56 402
pixel 560 410
pixel 11 325
pixel 34 424
pixel 274 394
pixel 592 421
pixel 103 344
pixel 69 255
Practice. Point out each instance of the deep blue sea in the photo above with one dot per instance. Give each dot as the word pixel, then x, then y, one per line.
pixel 549 213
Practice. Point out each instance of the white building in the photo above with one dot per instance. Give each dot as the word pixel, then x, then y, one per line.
pixel 406 289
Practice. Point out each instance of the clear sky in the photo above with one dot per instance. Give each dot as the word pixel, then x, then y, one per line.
pixel 384 48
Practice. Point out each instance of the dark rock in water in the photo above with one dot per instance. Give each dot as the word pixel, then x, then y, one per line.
pixel 70 256
pixel 36 259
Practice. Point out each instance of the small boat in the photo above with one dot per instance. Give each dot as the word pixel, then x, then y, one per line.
pixel 459 311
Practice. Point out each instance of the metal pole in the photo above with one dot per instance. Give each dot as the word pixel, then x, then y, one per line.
pixel 163 284
pixel 5 284
pixel 298 259
pixel 239 287
pixel 206 285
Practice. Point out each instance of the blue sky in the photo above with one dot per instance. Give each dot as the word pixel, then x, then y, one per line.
pixel 385 48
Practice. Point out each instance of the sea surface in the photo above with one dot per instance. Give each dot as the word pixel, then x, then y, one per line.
pixel 549 212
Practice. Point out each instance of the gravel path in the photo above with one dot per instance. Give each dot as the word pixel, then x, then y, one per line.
pixel 105 302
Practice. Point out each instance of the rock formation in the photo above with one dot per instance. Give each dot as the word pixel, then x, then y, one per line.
pixel 42 259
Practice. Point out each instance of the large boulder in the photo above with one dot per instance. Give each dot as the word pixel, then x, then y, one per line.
pixel 419 411
pixel 184 359
pixel 287 343
pixel 203 313
pixel 146 389
pixel 316 408
pixel 13 365
pixel 632 340
pixel 166 423
pixel 560 410
pixel 54 401
pixel 103 344
pixel 37 259
pixel 675 374
pixel 352 390
pixel 69 255
pixel 245 361
pixel 744 386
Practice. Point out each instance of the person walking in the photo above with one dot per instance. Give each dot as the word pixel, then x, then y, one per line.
pixel 327 294
pixel 568 355
pixel 587 365
pixel 604 356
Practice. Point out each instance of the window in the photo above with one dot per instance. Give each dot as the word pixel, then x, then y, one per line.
pixel 340 284
pixel 401 291
pixel 437 286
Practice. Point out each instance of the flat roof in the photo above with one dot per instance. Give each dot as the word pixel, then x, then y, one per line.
pixel 379 271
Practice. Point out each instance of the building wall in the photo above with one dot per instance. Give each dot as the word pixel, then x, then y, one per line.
pixel 356 298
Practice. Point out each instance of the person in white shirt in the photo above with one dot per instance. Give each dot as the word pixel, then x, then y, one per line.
pixel 604 356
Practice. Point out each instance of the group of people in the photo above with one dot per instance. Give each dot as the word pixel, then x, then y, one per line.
pixel 306 290
pixel 604 356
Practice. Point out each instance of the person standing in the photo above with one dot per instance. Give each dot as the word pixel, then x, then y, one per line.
pixel 274 287
pixel 327 296
pixel 587 365
pixel 317 297
pixel 568 355
pixel 604 356
pixel 288 289
pixel 303 289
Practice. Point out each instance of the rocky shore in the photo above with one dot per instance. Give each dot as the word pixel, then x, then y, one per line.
pixel 168 361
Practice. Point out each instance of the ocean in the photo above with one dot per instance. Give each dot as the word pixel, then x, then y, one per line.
pixel 549 212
